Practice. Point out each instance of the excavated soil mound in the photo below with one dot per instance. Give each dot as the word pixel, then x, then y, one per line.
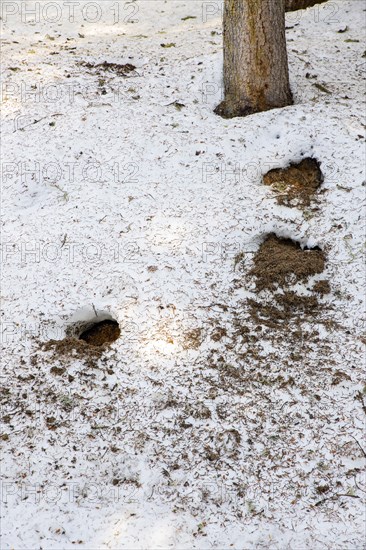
pixel 89 346
pixel 297 184
pixel 70 346
pixel 280 262
pixel 278 265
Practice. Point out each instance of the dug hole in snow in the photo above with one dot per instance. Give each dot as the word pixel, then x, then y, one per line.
pixel 87 325
pixel 223 416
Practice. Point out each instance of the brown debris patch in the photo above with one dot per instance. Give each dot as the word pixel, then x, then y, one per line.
pixel 115 68
pixel 297 184
pixel 193 339
pixel 218 334
pixel 322 287
pixel 58 371
pixel 282 309
pixel 293 302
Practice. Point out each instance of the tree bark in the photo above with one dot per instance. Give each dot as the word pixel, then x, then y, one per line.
pixel 293 5
pixel 255 57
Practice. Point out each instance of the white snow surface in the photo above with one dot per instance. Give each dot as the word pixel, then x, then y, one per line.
pixel 119 197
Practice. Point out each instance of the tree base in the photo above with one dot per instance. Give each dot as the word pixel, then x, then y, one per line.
pixel 227 110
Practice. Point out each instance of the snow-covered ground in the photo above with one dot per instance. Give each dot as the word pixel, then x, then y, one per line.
pixel 118 196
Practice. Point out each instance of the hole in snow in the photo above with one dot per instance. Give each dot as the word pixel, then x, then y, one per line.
pixel 102 332
pixel 94 329
pixel 87 336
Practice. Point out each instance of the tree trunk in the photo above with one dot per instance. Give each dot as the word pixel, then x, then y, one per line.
pixel 255 58
pixel 293 5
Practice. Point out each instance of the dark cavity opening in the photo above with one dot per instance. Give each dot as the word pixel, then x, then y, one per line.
pixel 100 333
